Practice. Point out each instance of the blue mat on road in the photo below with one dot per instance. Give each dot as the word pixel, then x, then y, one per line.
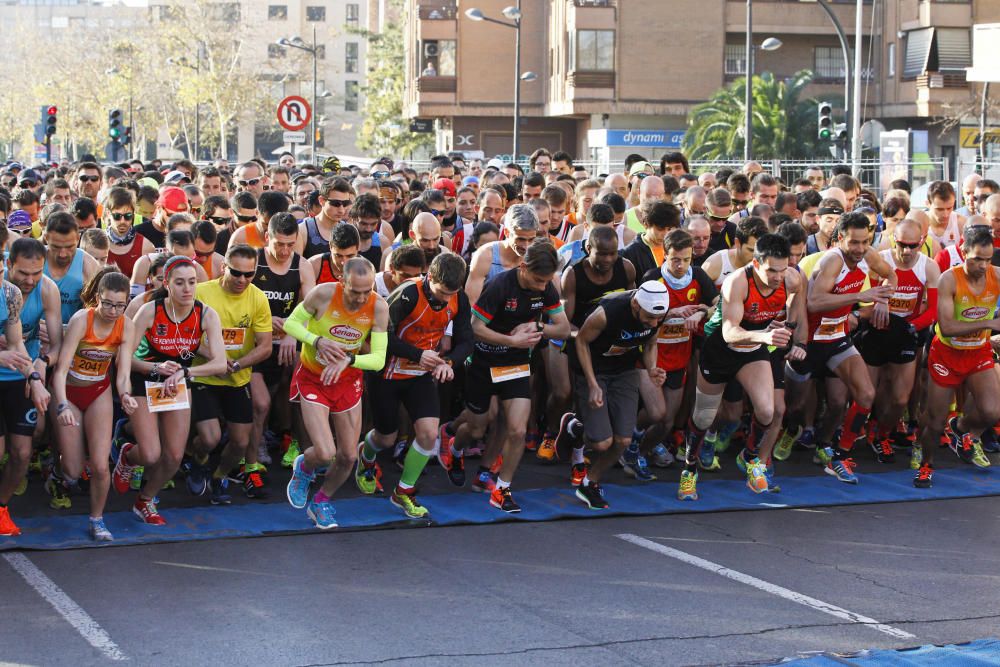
pixel 253 520
pixel 981 652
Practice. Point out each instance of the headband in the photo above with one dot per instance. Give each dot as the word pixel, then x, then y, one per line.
pixel 173 263
pixel 835 210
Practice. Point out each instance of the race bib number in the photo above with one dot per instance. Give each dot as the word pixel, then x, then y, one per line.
pixel 408 368
pixel 233 339
pixel 88 369
pixel 902 303
pixel 160 402
pixel 506 373
pixel 831 328
pixel 673 332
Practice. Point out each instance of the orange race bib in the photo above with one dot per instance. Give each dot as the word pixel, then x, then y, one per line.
pixel 673 332
pixel 160 402
pixel 902 303
pixel 234 338
pixel 831 328
pixel 506 373
pixel 90 365
pixel 406 367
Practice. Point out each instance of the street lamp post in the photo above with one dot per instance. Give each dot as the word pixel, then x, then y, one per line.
pixel 298 43
pixel 769 44
pixel 183 62
pixel 514 14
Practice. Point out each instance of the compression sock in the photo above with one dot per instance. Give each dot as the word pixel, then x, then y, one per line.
pixel 854 425
pixel 369 451
pixel 578 455
pixel 695 437
pixel 413 465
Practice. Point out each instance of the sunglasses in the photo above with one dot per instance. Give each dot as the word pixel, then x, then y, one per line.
pixel 219 220
pixel 241 274
pixel 339 203
pixel 196 209
pixel 641 175
pixel 22 232
pixel 88 179
pixel 27 183
pixel 204 255
pixel 909 246
pixel 246 218
pixel 123 216
pixel 437 212
pixel 712 216
pixel 741 202
pixel 250 183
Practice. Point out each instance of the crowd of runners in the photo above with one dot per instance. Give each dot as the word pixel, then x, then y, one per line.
pixel 174 324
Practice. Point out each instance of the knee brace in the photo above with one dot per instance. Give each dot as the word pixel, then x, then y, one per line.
pixel 705 408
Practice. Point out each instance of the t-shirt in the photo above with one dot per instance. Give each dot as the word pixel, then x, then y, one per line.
pixel 241 317
pixel 503 305
pixel 632 221
pixel 722 240
pixel 155 236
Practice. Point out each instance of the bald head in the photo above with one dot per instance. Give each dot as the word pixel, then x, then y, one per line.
pixel 969 184
pixel 617 182
pixel 424 225
pixel 652 188
pixel 694 199
pixel 920 217
pixel 991 208
pixel 907 231
pixel 976 221
pixel 835 193
pixel 707 180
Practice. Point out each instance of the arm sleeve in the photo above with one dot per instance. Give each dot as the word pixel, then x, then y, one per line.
pixel 401 304
pixel 295 326
pixel 374 360
pixel 929 316
pixel 461 335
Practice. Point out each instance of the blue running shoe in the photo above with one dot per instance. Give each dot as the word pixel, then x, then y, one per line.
pixel 298 485
pixel 823 455
pixel 990 443
pixel 197 478
pixel 842 469
pixel 707 460
pixel 772 486
pixel 635 465
pixel 220 491
pixel 807 439
pixel 323 515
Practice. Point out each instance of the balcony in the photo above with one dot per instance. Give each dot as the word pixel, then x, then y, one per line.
pixel 591 79
pixel 942 80
pixel 437 84
pixel 438 10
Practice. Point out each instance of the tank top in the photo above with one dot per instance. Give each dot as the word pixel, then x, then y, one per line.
pixel 326 274
pixel 126 262
pixel 31 314
pixel 374 253
pixel 832 325
pixel 167 340
pixel 618 347
pixel 619 230
pixel 727 268
pixel 423 328
pixel 954 256
pixel 496 265
pixel 759 310
pixel 951 235
pixel 70 286
pixel 589 293
pixel 971 307
pixel 347 329
pixel 281 289
pixel 315 243
pixel 254 238
pixel 208 266
pixel 673 338
pixel 910 284
pixel 94 355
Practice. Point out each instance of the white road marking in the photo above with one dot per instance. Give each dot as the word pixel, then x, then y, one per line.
pixel 802 509
pixel 765 586
pixel 88 628
pixel 209 568
pixel 772 505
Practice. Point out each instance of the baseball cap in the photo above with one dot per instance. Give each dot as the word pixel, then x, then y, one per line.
pixel 652 296
pixel 445 185
pixel 176 176
pixel 495 163
pixel 29 175
pixel 149 182
pixel 173 199
pixel 470 180
pixel 640 167
pixel 19 220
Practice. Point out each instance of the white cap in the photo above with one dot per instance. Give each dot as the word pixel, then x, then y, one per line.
pixel 495 163
pixel 652 296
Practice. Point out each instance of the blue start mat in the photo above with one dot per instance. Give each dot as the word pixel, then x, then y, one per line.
pixel 251 520
pixel 981 652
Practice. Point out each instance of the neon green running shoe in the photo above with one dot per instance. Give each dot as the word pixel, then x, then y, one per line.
pixel 291 454
pixel 60 496
pixel 688 489
pixel 979 458
pixel 783 448
pixel 367 475
pixel 916 457
pixel 408 503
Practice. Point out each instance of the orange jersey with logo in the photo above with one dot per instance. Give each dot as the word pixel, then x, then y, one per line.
pixel 971 307
pixel 347 329
pixel 94 355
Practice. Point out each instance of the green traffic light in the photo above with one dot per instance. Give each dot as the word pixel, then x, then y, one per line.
pixel 115 132
pixel 824 134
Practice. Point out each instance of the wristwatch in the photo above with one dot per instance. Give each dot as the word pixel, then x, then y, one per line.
pixel 35 375
pixel 236 366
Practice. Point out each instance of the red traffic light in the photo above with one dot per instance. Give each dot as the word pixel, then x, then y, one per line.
pixel 52 111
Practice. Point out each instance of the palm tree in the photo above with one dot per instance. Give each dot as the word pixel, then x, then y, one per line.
pixel 784 124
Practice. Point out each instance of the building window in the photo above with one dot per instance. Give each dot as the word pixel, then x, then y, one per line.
pixel 277 12
pixel 228 12
pixel 734 60
pixel 352 14
pixel 350 96
pixel 351 57
pixel 918 50
pixel 595 50
pixel 829 62
pixel 321 51
pixel 954 50
pixel 276 51
pixel 315 13
pixel 891 60
pixel 438 57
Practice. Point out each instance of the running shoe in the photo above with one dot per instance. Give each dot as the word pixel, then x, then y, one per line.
pixel 7 526
pixel 823 455
pixel 564 439
pixel 146 511
pixel 756 476
pixel 504 501
pixel 884 453
pixel 635 465
pixel 531 440
pixel 707 460
pixel 497 463
pixel 298 486
pixel 960 443
pixel 322 514
pixel 292 453
pixel 399 454
pixel 254 486
pixel 453 465
pixel 484 482
pixel 22 486
pixel 990 443
pixel 408 503
pixel 220 491
pixel 121 478
pixel 688 489
pixel 99 532
pixel 979 459
pixel 593 496
pixel 60 499
pixel 772 485
pixel 445 441
pixel 197 478
pixel 842 469
pixel 783 448
pixel 916 457
pixel 368 475
pixel 924 477
pixel 135 483
pixel 577 473
pixel 263 455
pixel 661 457
pixel 808 439
pixel 547 449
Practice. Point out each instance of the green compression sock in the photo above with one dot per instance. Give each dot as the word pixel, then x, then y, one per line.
pixel 413 465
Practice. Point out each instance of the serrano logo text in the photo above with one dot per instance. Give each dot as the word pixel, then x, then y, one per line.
pixel 345 332
pixel 95 355
pixel 975 313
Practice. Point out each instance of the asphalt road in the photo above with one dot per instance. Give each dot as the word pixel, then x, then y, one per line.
pixel 557 593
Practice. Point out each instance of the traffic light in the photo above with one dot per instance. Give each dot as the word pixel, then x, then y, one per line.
pixel 51 119
pixel 115 127
pixel 841 129
pixel 824 121
pixel 127 136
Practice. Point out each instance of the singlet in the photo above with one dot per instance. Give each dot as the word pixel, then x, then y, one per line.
pixel 70 286
pixel 374 253
pixel 618 347
pixel 326 270
pixel 951 235
pixel 462 236
pixel 32 313
pixel 380 286
pixel 620 230
pixel 94 355
pixel 909 295
pixel 167 340
pixel 126 262
pixel 496 265
pixel 589 293
pixel 674 340
pixel 315 243
pixel 253 237
pixel 759 310
pixel 208 266
pixel 281 289
pixel 832 325
pixel 954 256
pixel 345 328
pixel 971 307
pixel 726 269
pixel 423 328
